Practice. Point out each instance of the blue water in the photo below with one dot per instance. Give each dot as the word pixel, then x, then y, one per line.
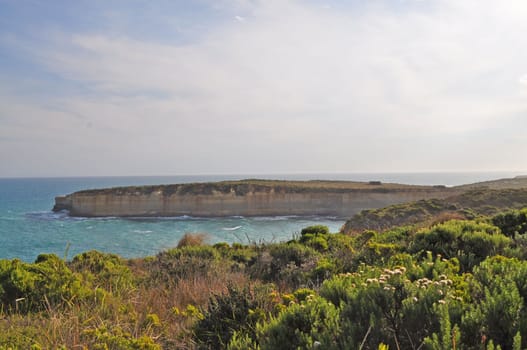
pixel 28 227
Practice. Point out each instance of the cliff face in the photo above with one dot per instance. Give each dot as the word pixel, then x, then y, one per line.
pixel 246 199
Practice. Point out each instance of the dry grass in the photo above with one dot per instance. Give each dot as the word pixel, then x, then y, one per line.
pixel 192 239
pixel 72 326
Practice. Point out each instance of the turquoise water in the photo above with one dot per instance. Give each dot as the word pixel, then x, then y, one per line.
pixel 28 227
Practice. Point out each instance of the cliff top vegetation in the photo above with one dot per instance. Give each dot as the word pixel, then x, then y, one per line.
pixel 243 187
pixel 516 182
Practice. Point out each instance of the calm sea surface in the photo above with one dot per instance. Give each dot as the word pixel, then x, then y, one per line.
pixel 28 227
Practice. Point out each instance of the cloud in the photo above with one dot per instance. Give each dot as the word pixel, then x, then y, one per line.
pixel 303 89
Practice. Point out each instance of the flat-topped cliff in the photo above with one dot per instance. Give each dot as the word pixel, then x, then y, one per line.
pixel 246 198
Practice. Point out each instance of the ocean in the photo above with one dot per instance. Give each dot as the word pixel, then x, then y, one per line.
pixel 28 227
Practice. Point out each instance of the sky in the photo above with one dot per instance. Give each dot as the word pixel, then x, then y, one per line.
pixel 168 87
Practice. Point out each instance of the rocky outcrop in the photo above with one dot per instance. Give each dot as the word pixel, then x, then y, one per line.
pixel 245 198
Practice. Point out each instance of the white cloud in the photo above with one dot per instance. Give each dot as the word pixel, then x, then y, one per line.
pixel 299 81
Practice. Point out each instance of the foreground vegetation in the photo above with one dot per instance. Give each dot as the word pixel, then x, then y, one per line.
pixel 448 284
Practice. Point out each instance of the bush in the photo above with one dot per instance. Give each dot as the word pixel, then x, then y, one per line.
pixel 317 242
pixel 315 237
pixel 468 241
pixel 185 262
pixel 498 311
pixel 32 287
pixel 239 254
pixel 512 223
pixel 291 263
pixel 117 339
pixel 106 270
pixel 391 305
pixel 302 326
pixel 315 230
pixel 242 341
pixel 236 311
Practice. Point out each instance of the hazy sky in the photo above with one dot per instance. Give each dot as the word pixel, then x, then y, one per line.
pixel 142 87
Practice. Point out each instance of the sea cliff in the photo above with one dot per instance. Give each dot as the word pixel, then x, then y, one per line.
pixel 245 198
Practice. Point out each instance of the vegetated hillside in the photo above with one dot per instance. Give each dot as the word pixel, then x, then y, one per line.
pixel 513 183
pixel 458 284
pixel 474 202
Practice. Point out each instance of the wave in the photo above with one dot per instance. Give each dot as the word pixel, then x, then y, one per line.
pixel 232 228
pixel 48 215
pixel 62 215
pixel 142 231
pixel 275 218
pixel 162 218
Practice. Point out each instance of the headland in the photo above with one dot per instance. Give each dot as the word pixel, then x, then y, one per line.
pixel 255 197
pixel 252 197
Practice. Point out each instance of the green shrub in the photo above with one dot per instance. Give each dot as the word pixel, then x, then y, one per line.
pixel 104 338
pixel 323 270
pixel 447 337
pixel 316 242
pixel 315 237
pixel 19 335
pixel 32 287
pixel 302 326
pixel 221 246
pixel 375 253
pixel 497 316
pixel 290 264
pixel 512 222
pixel 186 262
pixel 238 253
pixel 341 252
pixel 284 254
pixel 498 311
pixel 304 294
pixel 236 311
pixel 468 241
pixel 242 341
pixel 104 270
pixel 315 230
pixel 397 235
pixel 390 305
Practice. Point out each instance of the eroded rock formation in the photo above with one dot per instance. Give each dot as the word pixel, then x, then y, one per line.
pixel 245 198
